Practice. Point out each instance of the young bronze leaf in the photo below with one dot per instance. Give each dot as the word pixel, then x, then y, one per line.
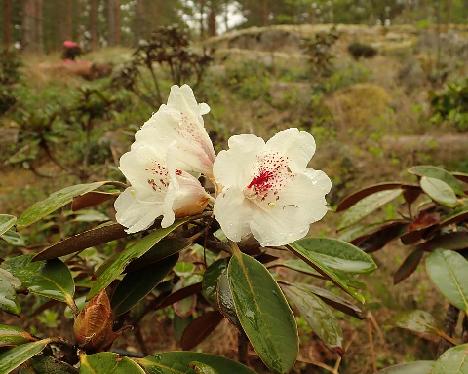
pixel 90 199
pixel 381 236
pixel 180 294
pixel 90 238
pixel 357 196
pixel 408 266
pixel 199 329
pixel 453 240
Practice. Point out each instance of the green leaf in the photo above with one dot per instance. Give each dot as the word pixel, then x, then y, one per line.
pixel 225 301
pixel 135 250
pixel 201 368
pixel 13 335
pixel 337 277
pixel 179 363
pixel 8 286
pixel 210 279
pixel 317 314
pixel 43 364
pixel 263 312
pixel 12 237
pixel 439 191
pixel 366 206
pixel 55 201
pixel 136 285
pixel 449 272
pixel 337 255
pixel 297 265
pixel 415 367
pixel 438 173
pixel 108 363
pixel 417 321
pixel 7 221
pixel 13 358
pixel 453 361
pixel 51 279
pixel 184 269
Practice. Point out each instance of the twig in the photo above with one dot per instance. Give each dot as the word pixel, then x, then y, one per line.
pixel 371 343
pixel 450 323
pixel 140 340
pixel 243 347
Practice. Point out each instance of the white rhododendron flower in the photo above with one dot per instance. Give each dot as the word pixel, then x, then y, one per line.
pixel 178 129
pixel 267 189
pixel 156 190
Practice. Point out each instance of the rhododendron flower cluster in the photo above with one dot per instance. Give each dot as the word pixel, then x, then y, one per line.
pixel 263 188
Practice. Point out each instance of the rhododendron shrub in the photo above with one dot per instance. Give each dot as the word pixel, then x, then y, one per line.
pixel 194 231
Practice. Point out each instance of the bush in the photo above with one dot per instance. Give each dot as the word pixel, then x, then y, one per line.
pixel 358 50
pixel 452 105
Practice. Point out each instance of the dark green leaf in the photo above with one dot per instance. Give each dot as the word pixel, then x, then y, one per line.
pixel 449 272
pixel 51 279
pixel 107 362
pixel 333 300
pixel 8 286
pixel 317 314
pixel 7 221
pixel 12 335
pixel 366 206
pixel 337 255
pixel 210 279
pixel 50 365
pixel 179 363
pixel 263 312
pixel 199 329
pixel 439 191
pixel 225 302
pixel 158 252
pixel 337 277
pixel 135 250
pixel 438 173
pixel 136 285
pixel 415 367
pixel 13 358
pixel 99 235
pixel 453 361
pixel 55 201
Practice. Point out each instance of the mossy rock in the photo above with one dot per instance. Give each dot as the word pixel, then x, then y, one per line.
pixel 362 107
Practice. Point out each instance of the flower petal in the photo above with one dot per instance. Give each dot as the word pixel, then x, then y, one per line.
pixel 233 213
pixel 134 214
pixel 234 166
pixel 299 146
pixel 182 99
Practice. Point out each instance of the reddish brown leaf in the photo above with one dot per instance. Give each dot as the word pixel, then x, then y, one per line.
pixel 452 240
pixel 99 235
pixel 461 176
pixel 199 329
pixel 423 220
pixel 408 266
pixel 179 295
pixel 382 235
pixel 357 196
pixel 90 199
pixel 459 217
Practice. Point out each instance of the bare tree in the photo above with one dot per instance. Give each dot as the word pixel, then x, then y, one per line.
pixel 67 23
pixel 7 23
pixel 212 18
pixel 28 36
pixel 38 22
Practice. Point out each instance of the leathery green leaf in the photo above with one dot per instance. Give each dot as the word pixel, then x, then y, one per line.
pixel 8 286
pixel 439 191
pixel 13 358
pixel 13 335
pixel 107 362
pixel 7 221
pixel 453 361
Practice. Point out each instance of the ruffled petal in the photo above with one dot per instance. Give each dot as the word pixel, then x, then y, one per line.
pixel 233 212
pixel 234 167
pixel 134 214
pixel 299 146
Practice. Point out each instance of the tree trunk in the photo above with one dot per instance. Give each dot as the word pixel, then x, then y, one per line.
pixel 28 26
pixel 202 18
pixel 212 20
pixel 67 23
pixel 93 24
pixel 7 23
pixel 38 21
pixel 113 22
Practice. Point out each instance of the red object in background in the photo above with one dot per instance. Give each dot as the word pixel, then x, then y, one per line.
pixel 69 44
